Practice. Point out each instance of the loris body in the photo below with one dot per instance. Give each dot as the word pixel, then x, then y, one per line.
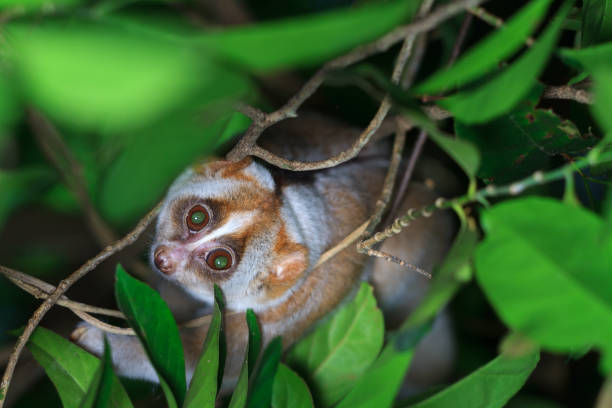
pixel 256 232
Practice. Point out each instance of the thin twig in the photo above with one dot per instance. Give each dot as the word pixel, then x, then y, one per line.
pixel 387 190
pixel 412 69
pixel 568 92
pixel 400 134
pixel 41 290
pixel 494 21
pixel 247 144
pixel 433 112
pixel 465 27
pixel 513 189
pixel 63 286
pixel 407 177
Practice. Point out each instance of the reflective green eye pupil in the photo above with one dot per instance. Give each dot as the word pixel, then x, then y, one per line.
pixel 221 262
pixel 198 217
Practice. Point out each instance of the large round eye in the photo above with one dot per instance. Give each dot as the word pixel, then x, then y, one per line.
pixel 197 218
pixel 219 259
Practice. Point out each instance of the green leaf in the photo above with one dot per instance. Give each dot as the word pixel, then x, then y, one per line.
pixel 150 161
pixel 289 390
pixel 154 324
pixel 378 386
pixel 522 141
pixel 70 368
pixel 37 5
pixel 491 386
pixel 490 52
pixel 505 90
pixel 239 396
pixel 463 152
pixel 596 22
pixel 99 393
pixel 263 381
pixel 203 388
pixel 334 356
pixel 96 76
pixel 22 185
pixel 546 270
pixel 306 41
pixel 254 339
pixel 598 61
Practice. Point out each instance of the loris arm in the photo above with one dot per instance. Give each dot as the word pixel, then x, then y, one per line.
pixel 130 359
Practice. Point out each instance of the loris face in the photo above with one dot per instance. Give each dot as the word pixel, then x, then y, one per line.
pixel 222 223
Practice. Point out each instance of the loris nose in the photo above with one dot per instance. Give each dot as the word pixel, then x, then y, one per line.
pixel 164 260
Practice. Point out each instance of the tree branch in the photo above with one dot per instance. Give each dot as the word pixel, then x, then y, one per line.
pixel 513 189
pixel 247 144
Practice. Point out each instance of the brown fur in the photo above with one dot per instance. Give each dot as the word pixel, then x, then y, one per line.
pixel 349 192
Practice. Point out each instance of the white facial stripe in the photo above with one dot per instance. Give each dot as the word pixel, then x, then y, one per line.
pixel 236 223
pixel 211 188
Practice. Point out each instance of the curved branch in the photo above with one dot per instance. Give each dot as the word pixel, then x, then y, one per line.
pixel 247 144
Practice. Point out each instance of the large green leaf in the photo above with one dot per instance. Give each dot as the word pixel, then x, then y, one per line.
pixel 334 356
pixel 546 271
pixel 491 386
pixel 263 380
pixel 95 76
pixel 522 141
pixel 306 41
pixel 71 369
pixel 598 61
pixel 596 21
pixel 151 160
pixel 490 52
pixel 203 388
pixel 502 92
pixel 378 385
pixel 100 390
pixel 289 390
pixel 381 382
pixel 151 319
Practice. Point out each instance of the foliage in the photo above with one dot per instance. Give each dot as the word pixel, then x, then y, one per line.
pixel 138 92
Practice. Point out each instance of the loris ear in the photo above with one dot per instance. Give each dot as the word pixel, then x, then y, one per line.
pixel 214 166
pixel 289 267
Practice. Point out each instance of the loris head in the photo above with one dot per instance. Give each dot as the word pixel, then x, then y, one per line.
pixel 223 223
